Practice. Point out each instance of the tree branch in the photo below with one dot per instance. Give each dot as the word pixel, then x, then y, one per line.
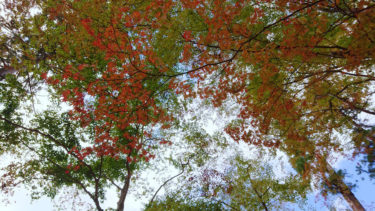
pixel 168 180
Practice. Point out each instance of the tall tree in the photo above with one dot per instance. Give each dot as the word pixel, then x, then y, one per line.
pixel 107 134
pixel 301 70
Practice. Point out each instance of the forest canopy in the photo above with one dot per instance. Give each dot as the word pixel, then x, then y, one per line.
pixel 131 87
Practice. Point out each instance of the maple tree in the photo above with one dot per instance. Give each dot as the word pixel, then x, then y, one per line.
pixel 301 71
pixel 106 137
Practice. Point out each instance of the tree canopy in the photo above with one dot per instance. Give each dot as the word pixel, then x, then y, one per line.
pixel 300 72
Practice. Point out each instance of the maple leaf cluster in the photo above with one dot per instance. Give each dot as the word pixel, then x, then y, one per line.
pixel 278 59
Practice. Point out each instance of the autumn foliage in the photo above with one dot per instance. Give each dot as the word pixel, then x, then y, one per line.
pixel 302 71
pixel 117 78
pixel 290 63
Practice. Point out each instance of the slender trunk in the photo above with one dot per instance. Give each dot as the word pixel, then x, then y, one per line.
pixel 97 204
pixel 124 191
pixel 343 189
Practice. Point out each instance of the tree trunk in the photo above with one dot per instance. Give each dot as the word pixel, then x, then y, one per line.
pixel 339 184
pixel 124 191
pixel 97 204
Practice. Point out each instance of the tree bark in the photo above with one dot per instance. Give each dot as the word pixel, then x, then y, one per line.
pixel 124 191
pixel 343 189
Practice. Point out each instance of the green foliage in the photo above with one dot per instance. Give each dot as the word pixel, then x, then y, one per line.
pixel 173 204
pixel 253 185
pixel 364 140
